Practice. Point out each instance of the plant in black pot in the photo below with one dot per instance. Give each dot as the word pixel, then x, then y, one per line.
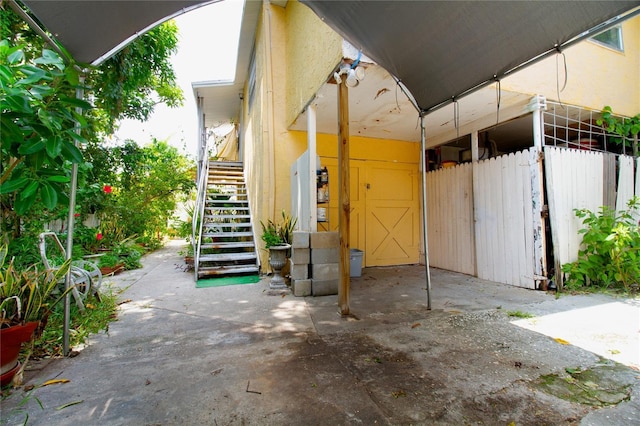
pixel 277 238
pixel 26 300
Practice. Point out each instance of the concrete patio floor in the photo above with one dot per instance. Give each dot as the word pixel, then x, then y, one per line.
pixel 236 355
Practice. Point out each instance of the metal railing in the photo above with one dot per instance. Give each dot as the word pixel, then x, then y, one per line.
pixel 198 211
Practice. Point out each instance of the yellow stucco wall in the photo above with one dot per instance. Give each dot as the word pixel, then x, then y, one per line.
pixel 597 75
pixel 313 51
pixel 364 148
pixel 269 148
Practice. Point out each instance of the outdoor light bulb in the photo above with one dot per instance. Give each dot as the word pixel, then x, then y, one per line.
pixel 352 80
pixel 359 73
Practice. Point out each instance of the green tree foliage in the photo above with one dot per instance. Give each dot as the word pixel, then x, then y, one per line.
pixel 39 121
pixel 127 85
pixel 150 182
pixel 623 128
pixel 38 126
pixel 38 102
pixel 130 84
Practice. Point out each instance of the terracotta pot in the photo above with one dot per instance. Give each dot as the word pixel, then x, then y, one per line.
pixel 106 270
pixel 12 339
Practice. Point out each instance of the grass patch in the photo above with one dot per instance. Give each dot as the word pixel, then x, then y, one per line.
pixel 97 316
pixel 520 314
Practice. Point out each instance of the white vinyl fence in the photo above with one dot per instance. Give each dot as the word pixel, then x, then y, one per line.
pixel 575 180
pixel 579 180
pixel 506 198
pixel 484 219
pixel 450 219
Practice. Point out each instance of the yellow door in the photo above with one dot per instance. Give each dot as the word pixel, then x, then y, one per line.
pixel 392 213
pixel 384 220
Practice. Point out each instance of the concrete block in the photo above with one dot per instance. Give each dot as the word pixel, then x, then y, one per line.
pixel 325 255
pixel 300 239
pixel 301 256
pixel 325 271
pixel 299 272
pixel 324 287
pixel 324 240
pixel 301 288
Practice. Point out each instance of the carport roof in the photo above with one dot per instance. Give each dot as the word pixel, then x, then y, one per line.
pixel 442 50
pixel 439 50
pixel 92 31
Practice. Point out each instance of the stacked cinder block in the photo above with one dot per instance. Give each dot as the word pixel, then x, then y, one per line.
pixel 299 264
pixel 325 263
pixel 315 263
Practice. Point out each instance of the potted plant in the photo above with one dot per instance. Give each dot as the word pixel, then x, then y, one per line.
pixel 26 300
pixel 277 238
pixel 110 264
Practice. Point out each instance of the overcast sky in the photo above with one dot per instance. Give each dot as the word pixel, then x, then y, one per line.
pixel 207 49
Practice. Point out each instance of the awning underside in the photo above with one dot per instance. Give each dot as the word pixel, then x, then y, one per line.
pixel 441 50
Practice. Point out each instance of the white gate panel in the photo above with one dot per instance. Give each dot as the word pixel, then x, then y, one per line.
pixel 504 228
pixel 574 181
pixel 450 219
pixel 637 191
pixel 625 182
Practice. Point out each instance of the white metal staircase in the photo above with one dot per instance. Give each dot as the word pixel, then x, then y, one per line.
pixel 226 245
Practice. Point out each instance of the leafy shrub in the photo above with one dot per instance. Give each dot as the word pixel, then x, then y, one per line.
pixel 109 260
pixel 274 234
pixel 610 257
pixel 623 128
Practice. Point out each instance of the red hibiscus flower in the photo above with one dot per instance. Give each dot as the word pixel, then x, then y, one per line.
pixel 107 189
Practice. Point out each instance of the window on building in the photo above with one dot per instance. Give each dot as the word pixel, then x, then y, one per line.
pixel 611 38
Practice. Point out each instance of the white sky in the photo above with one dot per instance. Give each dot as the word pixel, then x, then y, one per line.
pixel 207 50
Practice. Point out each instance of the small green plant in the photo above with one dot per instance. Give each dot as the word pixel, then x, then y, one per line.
pixel 129 253
pixel 274 234
pixel 610 256
pixel 109 260
pixel 97 316
pixel 520 314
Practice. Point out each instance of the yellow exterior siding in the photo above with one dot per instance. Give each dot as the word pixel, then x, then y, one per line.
pixel 269 148
pixel 313 52
pixel 596 75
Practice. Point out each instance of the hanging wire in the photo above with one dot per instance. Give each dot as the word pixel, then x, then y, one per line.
pixel 398 87
pixel 566 73
pixel 498 100
pixel 456 117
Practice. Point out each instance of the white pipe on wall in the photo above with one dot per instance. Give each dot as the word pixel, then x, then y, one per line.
pixel 311 145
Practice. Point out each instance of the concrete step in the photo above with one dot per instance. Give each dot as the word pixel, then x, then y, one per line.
pixel 220 271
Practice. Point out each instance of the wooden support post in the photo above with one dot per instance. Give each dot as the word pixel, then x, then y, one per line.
pixel 344 198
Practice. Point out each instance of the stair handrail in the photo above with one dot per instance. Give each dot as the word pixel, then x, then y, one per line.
pixel 198 211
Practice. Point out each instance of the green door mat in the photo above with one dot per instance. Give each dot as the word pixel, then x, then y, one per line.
pixel 220 282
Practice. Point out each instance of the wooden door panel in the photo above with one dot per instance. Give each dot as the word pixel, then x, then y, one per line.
pixel 392 214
